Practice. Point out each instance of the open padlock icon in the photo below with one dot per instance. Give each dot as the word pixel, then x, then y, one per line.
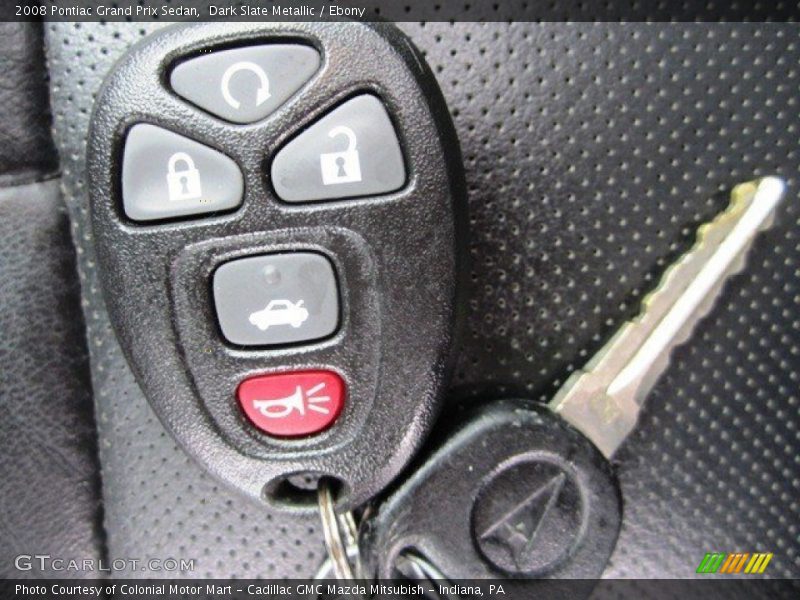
pixel 183 178
pixel 341 167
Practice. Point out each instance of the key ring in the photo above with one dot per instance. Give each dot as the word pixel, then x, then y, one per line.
pixel 341 542
pixel 340 553
pixel 422 568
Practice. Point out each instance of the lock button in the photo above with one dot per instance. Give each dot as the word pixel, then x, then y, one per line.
pixel 166 175
pixel 352 151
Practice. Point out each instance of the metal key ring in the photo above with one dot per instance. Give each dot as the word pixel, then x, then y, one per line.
pixel 332 525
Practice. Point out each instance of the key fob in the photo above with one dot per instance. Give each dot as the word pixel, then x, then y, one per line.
pixel 278 212
pixel 513 492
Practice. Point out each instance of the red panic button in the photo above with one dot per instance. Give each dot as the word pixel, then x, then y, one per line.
pixel 292 404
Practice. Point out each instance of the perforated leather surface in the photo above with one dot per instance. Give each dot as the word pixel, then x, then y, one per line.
pixel 592 152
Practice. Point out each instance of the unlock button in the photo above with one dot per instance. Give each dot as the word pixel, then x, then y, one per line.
pixel 352 151
pixel 166 175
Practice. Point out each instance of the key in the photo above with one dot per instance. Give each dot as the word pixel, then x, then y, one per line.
pixel 521 493
pixel 513 493
pixel 603 400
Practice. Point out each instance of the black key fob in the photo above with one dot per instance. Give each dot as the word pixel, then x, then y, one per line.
pixel 278 211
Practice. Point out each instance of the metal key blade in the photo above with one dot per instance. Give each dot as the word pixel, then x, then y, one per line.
pixel 603 400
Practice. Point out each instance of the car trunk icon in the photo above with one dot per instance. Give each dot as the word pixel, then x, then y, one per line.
pixel 280 312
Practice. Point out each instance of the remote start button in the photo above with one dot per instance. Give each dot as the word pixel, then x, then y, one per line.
pixel 244 85
pixel 292 404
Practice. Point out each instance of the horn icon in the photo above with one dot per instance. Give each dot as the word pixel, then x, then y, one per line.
pixel 281 407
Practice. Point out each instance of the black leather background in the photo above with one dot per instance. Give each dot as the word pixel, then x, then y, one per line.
pixel 49 496
pixel 592 153
pixel 26 146
pixel 49 472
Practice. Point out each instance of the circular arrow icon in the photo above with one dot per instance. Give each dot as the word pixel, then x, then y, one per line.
pixel 262 94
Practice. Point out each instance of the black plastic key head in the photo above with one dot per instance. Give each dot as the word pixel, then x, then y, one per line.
pixel 514 492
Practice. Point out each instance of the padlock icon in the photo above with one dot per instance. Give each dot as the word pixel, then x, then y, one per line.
pixel 183 178
pixel 341 167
